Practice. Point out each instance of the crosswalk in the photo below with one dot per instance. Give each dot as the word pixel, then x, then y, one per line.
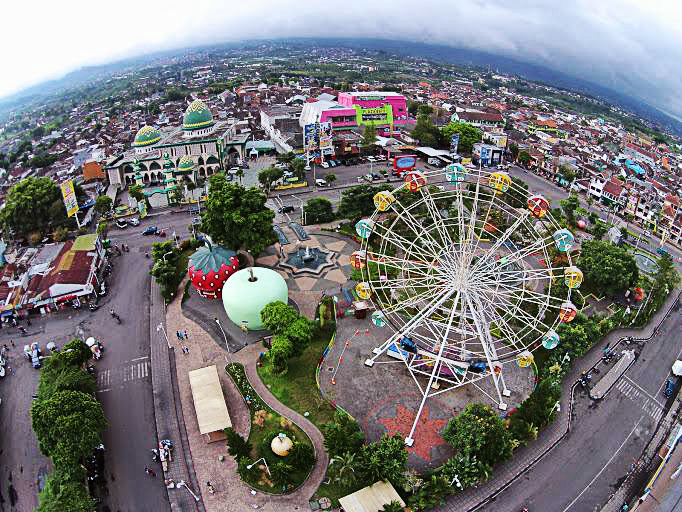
pixel 130 371
pixel 632 391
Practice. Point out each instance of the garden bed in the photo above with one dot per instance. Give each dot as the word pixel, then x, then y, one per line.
pixel 265 425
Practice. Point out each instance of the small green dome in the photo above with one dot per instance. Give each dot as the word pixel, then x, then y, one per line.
pixel 197 116
pixel 146 136
pixel 244 297
pixel 185 165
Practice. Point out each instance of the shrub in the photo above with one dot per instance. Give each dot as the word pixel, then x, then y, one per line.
pixel 237 445
pixel 301 456
pixel 342 436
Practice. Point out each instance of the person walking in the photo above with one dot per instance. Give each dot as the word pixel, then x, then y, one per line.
pixel 177 333
pixel 211 490
pixel 186 335
pixel 149 471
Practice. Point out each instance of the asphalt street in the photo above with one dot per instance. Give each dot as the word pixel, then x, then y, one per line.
pixel 607 437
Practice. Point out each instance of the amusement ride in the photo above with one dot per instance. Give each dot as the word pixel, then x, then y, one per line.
pixel 469 272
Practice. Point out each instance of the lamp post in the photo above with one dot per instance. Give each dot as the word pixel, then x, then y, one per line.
pixel 164 256
pixel 256 462
pixel 456 480
pixel 217 320
pixel 159 328
pixel 182 483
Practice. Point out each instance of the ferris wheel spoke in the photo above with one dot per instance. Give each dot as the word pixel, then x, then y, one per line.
pixel 412 221
pixel 502 239
pixel 402 243
pixel 437 218
pixel 413 266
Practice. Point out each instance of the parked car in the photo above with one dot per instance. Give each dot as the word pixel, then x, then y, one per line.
pixel 325 165
pixel 35 357
pixel 377 176
pixel 368 177
pixel 286 209
pixel 134 221
pixel 150 230
pixel 320 182
pixel 331 163
pixel 121 224
pixel 662 252
pixel 371 159
pixel 381 157
pixel 244 166
pixel 669 388
pixel 307 167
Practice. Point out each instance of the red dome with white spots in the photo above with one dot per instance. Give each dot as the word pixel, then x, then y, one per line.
pixel 209 268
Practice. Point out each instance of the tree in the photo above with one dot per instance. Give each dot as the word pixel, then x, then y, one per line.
pixel 357 202
pixel 567 172
pixel 237 446
pixel 281 349
pixel 103 204
pixel 300 333
pixel 268 176
pixel 238 217
pixel 384 460
pixel 240 175
pixel 569 206
pixel 431 494
pixel 524 157
pixel 342 436
pixel 394 506
pixel 67 425
pixel 165 268
pixel 344 468
pixel 607 268
pixel 103 229
pixel 277 317
pixel 33 204
pixel 330 178
pixel 479 431
pixel 61 493
pixel 425 132
pixel 301 456
pixel 466 468
pixel 286 158
pixel 136 192
pixel 514 150
pixel 369 136
pixel 468 136
pixel 318 210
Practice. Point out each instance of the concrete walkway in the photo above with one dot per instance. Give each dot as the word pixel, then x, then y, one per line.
pixel 232 495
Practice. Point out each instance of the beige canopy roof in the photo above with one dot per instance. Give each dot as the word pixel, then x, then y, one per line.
pixel 209 401
pixel 370 499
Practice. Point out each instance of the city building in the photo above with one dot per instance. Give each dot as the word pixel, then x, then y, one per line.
pixel 211 145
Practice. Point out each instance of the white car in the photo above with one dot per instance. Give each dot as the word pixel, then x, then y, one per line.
pixel 381 157
pixel 320 182
pixel 325 165
pixel 368 177
pixel 134 221
pixel 371 159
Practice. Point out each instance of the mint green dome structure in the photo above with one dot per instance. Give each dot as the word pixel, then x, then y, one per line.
pixel 197 116
pixel 248 291
pixel 147 136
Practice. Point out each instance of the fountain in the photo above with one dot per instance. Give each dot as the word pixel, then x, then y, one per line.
pixel 308 260
pixel 646 264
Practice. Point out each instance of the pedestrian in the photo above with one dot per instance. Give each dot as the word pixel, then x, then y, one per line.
pixel 211 490
pixel 185 349
pixel 11 342
pixel 186 334
pixel 177 333
pixel 28 322
pixel 14 321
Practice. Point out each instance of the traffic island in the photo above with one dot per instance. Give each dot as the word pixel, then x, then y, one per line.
pixel 607 381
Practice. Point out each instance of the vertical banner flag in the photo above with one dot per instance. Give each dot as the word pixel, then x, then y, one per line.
pixel 454 143
pixel 69 195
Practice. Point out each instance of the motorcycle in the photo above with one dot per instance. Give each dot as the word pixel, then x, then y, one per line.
pixel 2 366
pixel 93 306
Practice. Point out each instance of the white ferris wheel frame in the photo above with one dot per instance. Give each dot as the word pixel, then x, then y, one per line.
pixel 463 270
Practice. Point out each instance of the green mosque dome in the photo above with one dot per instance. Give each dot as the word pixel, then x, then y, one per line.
pixel 146 136
pixel 185 165
pixel 197 116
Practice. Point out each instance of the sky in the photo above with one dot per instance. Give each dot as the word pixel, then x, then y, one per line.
pixel 631 46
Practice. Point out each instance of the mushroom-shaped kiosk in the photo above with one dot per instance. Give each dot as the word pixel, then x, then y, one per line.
pixel 248 291
pixel 281 445
pixel 209 267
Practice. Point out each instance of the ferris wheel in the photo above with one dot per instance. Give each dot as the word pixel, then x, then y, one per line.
pixel 471 274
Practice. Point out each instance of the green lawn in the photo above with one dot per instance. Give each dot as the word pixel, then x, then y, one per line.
pixel 264 426
pixel 296 388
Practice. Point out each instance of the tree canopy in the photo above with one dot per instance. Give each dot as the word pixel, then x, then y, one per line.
pixel 607 268
pixel 318 210
pixel 33 204
pixel 237 217
pixel 468 135
pixel 357 202
pixel 425 132
pixel 103 204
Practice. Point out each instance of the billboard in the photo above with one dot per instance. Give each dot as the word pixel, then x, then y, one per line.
pixel 375 115
pixel 404 162
pixel 69 195
pixel 311 136
pixel 326 146
pixel 454 143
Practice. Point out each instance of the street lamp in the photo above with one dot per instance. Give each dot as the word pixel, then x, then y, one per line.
pixel 164 256
pixel 256 462
pixel 456 480
pixel 159 328
pixel 182 483
pixel 227 345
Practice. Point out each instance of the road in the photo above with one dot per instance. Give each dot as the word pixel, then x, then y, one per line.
pixel 606 437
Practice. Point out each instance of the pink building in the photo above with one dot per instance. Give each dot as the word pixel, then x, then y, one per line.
pixel 381 109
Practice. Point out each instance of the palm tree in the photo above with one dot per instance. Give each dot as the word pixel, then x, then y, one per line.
pixel 394 506
pixel 343 467
pixel 240 175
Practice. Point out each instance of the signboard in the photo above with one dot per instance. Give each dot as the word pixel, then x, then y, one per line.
pixel 404 162
pixel 485 154
pixel 375 116
pixel 454 143
pixel 310 136
pixel 69 195
pixel 326 146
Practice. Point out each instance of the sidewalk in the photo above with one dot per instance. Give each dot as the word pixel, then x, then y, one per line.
pixel 526 457
pixel 165 413
pixel 232 495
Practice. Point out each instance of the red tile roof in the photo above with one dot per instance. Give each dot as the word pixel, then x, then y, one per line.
pixel 480 116
pixel 613 188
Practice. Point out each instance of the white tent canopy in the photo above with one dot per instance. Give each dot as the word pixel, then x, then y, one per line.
pixel 209 402
pixel 371 498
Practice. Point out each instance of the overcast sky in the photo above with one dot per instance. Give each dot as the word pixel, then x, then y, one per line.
pixel 633 46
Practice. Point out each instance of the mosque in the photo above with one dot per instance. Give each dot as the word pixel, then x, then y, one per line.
pixel 198 149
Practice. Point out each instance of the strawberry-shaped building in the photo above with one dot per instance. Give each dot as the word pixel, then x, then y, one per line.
pixel 209 268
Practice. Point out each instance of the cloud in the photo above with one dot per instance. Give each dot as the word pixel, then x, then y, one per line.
pixel 631 46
